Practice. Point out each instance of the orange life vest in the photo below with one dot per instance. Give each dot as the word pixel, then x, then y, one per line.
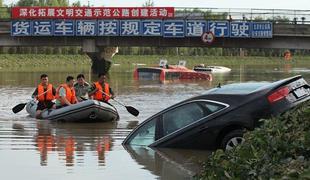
pixel 48 96
pixel 99 95
pixel 45 142
pixel 69 150
pixel 70 94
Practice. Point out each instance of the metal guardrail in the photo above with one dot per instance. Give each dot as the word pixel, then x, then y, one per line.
pixel 275 15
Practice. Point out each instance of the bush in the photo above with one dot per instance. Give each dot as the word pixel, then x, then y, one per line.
pixel 12 50
pixel 279 149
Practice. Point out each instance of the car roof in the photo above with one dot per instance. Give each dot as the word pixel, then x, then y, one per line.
pixel 234 94
pixel 249 87
pixel 238 88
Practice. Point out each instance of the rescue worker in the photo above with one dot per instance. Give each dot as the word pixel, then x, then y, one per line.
pixel 45 94
pixel 81 88
pixel 287 55
pixel 65 94
pixel 101 90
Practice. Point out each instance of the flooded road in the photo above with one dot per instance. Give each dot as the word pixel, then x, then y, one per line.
pixel 38 149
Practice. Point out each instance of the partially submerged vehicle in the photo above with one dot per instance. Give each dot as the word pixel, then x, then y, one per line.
pixel 218 118
pixel 169 72
pixel 85 111
pixel 211 69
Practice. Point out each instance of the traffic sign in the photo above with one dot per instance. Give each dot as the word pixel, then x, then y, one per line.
pixel 208 37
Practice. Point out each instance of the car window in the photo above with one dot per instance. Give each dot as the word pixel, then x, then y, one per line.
pixel 213 107
pixel 145 135
pixel 187 114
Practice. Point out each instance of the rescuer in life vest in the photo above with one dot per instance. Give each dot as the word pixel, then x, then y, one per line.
pixel 65 94
pixel 287 55
pixel 101 90
pixel 45 94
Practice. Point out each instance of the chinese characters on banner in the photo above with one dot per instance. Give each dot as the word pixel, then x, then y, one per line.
pixel 173 28
pixel 130 28
pixel 146 27
pixel 108 28
pixel 64 28
pixel 219 28
pixel 240 29
pixel 21 28
pixel 92 12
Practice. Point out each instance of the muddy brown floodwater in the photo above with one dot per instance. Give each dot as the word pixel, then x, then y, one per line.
pixel 39 149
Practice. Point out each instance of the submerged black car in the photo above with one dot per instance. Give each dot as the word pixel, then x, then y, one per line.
pixel 218 118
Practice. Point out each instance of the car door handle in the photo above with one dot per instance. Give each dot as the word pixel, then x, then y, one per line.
pixel 203 128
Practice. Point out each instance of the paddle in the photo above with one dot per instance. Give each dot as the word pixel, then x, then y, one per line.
pixel 21 106
pixel 130 109
pixel 83 98
pixel 18 107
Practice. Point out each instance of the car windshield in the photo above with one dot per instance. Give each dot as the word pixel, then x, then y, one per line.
pixel 144 135
pixel 241 88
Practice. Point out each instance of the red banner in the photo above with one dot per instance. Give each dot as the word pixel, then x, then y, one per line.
pixel 92 12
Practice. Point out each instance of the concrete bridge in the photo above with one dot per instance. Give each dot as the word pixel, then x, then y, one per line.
pixel 285 36
pixel 288 35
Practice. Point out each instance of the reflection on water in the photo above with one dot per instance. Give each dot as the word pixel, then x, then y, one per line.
pixel 169 163
pixel 49 150
pixel 70 141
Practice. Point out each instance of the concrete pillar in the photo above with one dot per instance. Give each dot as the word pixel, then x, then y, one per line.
pixel 102 58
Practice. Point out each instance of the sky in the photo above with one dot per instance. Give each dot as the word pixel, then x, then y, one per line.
pixel 260 4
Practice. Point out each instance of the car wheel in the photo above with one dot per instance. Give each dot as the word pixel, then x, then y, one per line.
pixel 232 139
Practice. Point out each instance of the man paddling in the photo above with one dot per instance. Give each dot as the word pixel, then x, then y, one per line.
pixel 101 90
pixel 45 94
pixel 65 93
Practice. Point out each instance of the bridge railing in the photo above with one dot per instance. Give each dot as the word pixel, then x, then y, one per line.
pixel 275 15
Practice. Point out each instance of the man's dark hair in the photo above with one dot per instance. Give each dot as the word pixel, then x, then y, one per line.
pixel 69 78
pixel 44 76
pixel 80 76
pixel 101 74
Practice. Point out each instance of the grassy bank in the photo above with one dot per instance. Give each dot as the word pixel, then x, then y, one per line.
pixel 15 61
pixel 280 149
pixel 41 60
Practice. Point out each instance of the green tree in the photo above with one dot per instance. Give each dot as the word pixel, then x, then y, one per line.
pixel 42 2
pixel 72 50
pixel 12 50
pixel 77 4
pixel 279 19
pixel 148 3
pixel 48 50
pixel 56 50
pixel 63 3
pixel 1 3
pixel 28 3
pixel 64 50
pixel 52 3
